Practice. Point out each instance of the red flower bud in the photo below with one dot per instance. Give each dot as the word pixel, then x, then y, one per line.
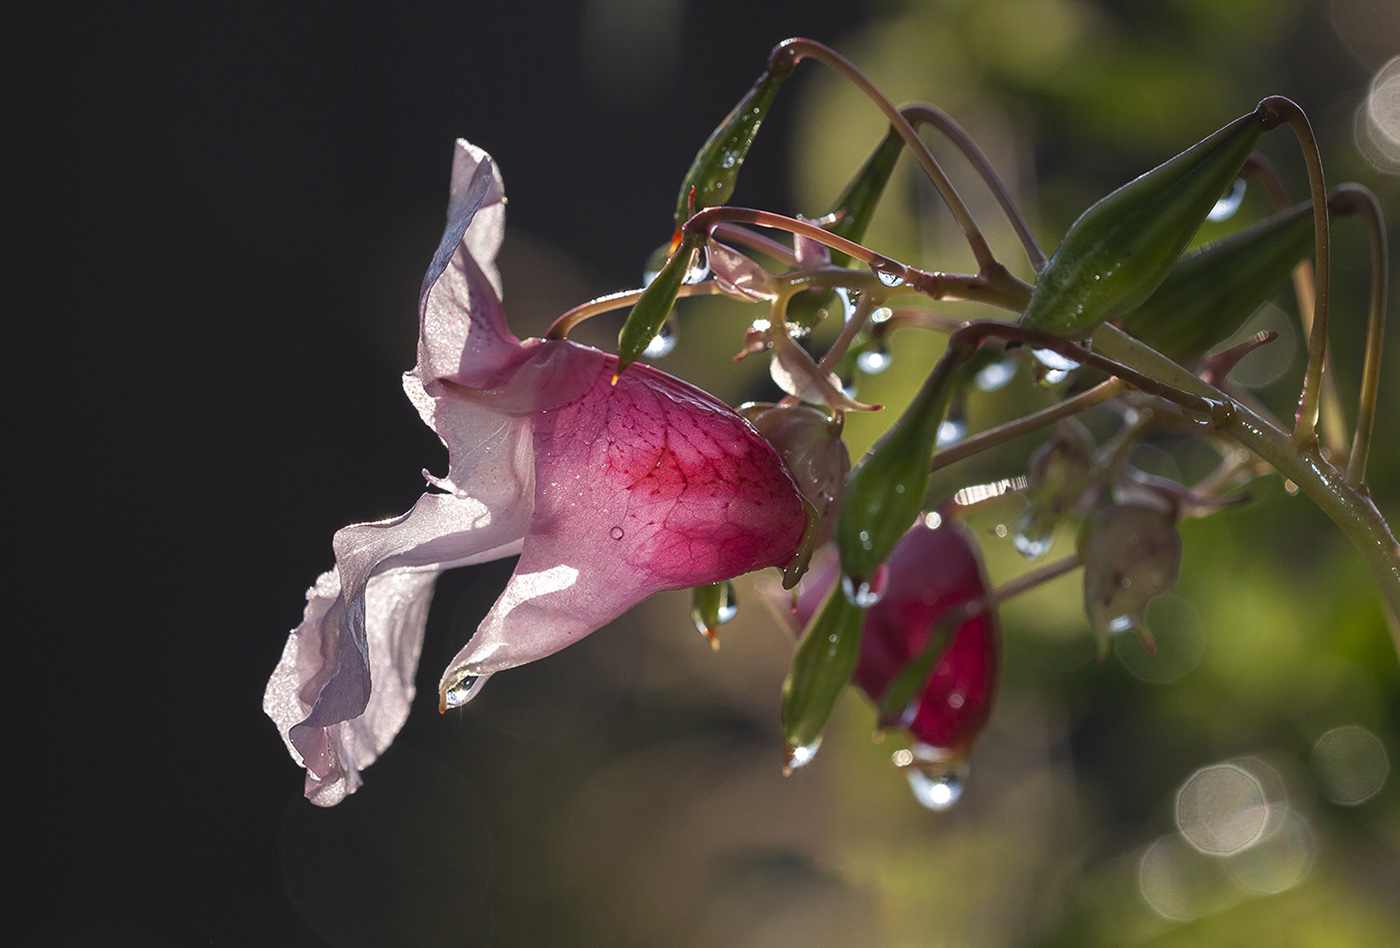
pixel 932 572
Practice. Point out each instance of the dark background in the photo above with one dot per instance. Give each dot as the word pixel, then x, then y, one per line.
pixel 218 216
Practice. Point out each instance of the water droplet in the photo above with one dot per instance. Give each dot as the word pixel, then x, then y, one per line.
pixel 1226 207
pixel 462 691
pixel 888 273
pixel 794 757
pixel 699 266
pixel 1200 417
pixel 873 361
pixel 1029 546
pixel 616 533
pixel 937 780
pixel 1120 624
pixel 1055 368
pixel 956 699
pixel 881 314
pixel 995 377
pixel 951 431
pixel 664 342
pixel 864 594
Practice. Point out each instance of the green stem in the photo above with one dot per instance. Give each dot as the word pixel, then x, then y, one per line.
pixel 1362 201
pixel 1288 111
pixel 1014 429
pixel 806 48
pixel 922 112
pixel 1349 505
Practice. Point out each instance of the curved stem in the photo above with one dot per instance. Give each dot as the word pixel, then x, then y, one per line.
pixel 922 112
pixel 995 286
pixel 733 234
pixel 1356 198
pixel 1032 422
pixel 799 48
pixel 1304 289
pixel 562 326
pixel 869 302
pixel 1288 111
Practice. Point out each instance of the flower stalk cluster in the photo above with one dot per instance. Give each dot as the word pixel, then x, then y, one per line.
pixel 612 480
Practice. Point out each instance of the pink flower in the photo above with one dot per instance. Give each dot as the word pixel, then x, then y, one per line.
pixel 609 493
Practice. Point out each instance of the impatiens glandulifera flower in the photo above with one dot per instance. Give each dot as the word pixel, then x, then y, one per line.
pixel 609 488
pixel 1122 247
pixel 1061 471
pixel 1132 555
pixel 811 446
pixel 932 573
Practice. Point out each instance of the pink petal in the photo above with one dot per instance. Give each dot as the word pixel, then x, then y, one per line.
pixel 740 276
pixel 363 626
pixel 647 485
pixel 462 330
pixel 811 254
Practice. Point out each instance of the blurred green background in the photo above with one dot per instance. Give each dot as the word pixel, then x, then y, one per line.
pixel 1233 789
pixel 231 211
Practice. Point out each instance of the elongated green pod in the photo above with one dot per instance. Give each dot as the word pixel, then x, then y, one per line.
pixel 821 669
pixel 650 312
pixel 1121 249
pixel 1210 292
pixel 854 208
pixel 885 493
pixel 716 166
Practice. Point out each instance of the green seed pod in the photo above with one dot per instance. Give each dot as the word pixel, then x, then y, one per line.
pixel 821 669
pixel 1120 249
pixel 856 205
pixel 885 493
pixel 716 166
pixel 1212 291
pixel 650 312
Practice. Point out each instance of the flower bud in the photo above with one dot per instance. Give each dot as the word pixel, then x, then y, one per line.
pixel 932 572
pixel 810 444
pixel 1061 471
pixel 1210 292
pixel 1120 249
pixel 650 312
pixel 935 665
pixel 1132 555
pixel 821 668
pixel 710 180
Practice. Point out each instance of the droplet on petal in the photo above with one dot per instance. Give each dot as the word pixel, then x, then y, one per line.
pixel 460 692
